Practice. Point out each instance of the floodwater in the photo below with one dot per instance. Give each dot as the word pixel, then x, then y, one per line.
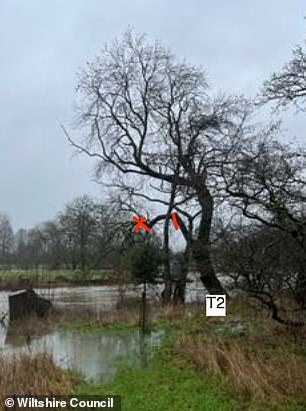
pixel 94 354
pixel 102 298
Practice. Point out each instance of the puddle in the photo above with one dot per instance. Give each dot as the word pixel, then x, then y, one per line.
pixel 94 354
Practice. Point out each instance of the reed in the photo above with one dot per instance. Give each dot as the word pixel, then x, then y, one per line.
pixel 33 375
pixel 271 376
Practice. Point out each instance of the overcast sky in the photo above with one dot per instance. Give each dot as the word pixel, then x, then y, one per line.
pixel 44 42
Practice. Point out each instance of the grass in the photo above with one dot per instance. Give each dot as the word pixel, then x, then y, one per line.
pixel 33 375
pixel 167 389
pixel 127 316
pixel 172 382
pixel 82 319
pixel 264 377
pixel 50 278
pixel 210 366
pixel 164 387
pixel 243 362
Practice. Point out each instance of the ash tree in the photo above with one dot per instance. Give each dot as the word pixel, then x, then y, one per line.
pixel 153 130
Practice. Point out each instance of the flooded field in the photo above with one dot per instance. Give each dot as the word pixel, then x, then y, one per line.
pixel 102 298
pixel 94 354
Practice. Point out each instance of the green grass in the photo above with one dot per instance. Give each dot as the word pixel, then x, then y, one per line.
pixel 165 386
pixel 43 274
pixel 168 388
pixel 92 326
pixel 44 277
pixel 170 384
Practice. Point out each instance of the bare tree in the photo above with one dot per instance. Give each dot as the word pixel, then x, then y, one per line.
pixel 82 236
pixel 20 243
pixel 153 126
pixel 266 181
pixel 288 86
pixel 6 236
pixel 263 262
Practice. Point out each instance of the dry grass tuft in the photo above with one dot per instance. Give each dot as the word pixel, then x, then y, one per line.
pixel 268 377
pixel 32 375
pixel 127 316
pixel 172 312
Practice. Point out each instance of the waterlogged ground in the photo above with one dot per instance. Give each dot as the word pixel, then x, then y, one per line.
pixel 187 373
pixel 96 355
pixel 104 297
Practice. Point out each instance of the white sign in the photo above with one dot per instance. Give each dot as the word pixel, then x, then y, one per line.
pixel 215 305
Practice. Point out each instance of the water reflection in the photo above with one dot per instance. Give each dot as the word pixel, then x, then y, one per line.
pixel 94 354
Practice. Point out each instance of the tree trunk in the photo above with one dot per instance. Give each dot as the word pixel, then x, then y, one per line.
pixel 201 255
pixel 143 308
pixel 201 246
pixel 179 291
pixel 300 288
pixel 167 292
pixel 180 286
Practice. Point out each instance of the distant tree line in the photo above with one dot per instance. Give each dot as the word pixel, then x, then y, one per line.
pixel 83 236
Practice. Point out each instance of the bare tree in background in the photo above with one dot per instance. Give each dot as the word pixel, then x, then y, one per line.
pixel 267 182
pixel 263 262
pixel 88 232
pixel 83 236
pixel 6 236
pixel 153 126
pixel 288 86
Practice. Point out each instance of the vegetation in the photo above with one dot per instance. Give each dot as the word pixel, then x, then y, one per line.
pixel 213 365
pixel 164 146
pixel 204 363
pixel 26 374
pixel 144 262
pixel 52 278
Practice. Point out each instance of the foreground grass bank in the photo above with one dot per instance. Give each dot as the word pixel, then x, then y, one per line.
pixel 244 362
pixel 165 387
pixel 174 382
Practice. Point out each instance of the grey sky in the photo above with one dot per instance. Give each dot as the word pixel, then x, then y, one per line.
pixel 42 44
